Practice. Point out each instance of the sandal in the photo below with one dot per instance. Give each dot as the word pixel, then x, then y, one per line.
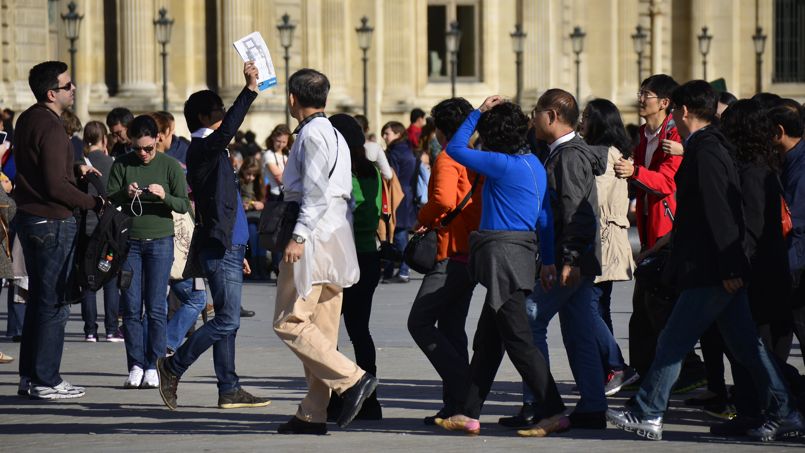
pixel 4 358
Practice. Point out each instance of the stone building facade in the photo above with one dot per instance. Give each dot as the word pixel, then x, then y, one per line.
pixel 118 60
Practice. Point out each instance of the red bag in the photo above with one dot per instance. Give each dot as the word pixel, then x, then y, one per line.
pixel 788 225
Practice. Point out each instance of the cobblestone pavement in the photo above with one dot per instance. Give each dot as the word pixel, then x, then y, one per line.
pixel 111 418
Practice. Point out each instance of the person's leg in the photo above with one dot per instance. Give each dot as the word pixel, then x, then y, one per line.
pixel 515 333
pixel 694 312
pixel 659 310
pixel 400 241
pixel 740 337
pixel 89 313
pixel 131 307
pixel 16 312
pixel 444 298
pixel 603 293
pixel 642 338
pixel 157 261
pixel 713 354
pixel 192 302
pixel 582 331
pixel 223 269
pixel 357 309
pixel 488 350
pixel 799 324
pixel 111 306
pixel 607 345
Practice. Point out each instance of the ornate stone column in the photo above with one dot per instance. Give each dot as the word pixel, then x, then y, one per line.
pixel 237 21
pixel 138 49
pixel 336 31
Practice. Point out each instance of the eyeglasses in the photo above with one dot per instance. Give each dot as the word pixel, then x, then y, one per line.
pixel 66 87
pixel 646 95
pixel 536 111
pixel 147 149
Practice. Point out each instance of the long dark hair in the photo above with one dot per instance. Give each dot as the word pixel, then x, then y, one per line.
pixel 747 126
pixel 605 126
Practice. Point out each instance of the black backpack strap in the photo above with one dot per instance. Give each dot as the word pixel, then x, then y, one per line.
pixel 455 212
pixel 332 170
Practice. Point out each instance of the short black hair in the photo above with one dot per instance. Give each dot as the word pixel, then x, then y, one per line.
pixel 563 103
pixel 788 113
pixel 45 77
pixel 416 114
pixel 503 128
pixel 698 97
pixel 767 100
pixel 142 126
pixel 660 84
pixel 449 114
pixel 310 88
pixel 119 115
pixel 726 98
pixel 200 103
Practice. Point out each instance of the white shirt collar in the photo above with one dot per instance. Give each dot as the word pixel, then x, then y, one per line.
pixel 563 139
pixel 201 133
pixel 651 135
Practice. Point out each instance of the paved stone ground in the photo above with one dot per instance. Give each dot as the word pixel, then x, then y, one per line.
pixel 110 418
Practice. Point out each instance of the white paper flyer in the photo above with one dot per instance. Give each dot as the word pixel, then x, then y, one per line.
pixel 252 47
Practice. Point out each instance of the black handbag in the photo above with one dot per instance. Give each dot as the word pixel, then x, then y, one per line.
pixel 278 219
pixel 420 253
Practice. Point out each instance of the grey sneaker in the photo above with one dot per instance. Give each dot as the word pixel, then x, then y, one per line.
pixel 771 429
pixel 64 390
pixel 25 386
pixel 616 380
pixel 650 428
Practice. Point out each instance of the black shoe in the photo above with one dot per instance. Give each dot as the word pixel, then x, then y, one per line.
pixel 737 427
pixel 240 398
pixel 16 338
pixel 168 383
pixel 334 407
pixel 588 420
pixel 354 397
pixel 443 413
pixel 371 409
pixel 246 313
pixel 525 418
pixel 298 426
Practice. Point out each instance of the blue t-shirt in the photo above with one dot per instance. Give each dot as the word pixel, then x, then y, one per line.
pixel 240 231
pixel 515 195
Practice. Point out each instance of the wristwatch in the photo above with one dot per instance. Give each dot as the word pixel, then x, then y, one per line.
pixel 298 239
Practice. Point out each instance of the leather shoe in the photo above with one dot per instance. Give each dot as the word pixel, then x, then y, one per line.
pixel 525 418
pixel 443 413
pixel 353 398
pixel 588 420
pixel 298 426
pixel 246 313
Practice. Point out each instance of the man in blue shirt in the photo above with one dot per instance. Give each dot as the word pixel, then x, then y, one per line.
pixel 223 239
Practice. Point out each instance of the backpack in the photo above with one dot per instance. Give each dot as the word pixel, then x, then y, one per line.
pixel 101 254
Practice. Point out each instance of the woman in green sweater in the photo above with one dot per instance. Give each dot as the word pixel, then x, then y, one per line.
pixel 357 304
pixel 149 185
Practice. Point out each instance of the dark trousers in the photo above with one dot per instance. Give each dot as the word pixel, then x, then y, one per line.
pixel 111 305
pixel 436 324
pixel 507 330
pixel 713 350
pixel 649 317
pixel 357 309
pixel 603 291
pixel 16 312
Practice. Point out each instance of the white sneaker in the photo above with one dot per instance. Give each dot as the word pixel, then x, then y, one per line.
pixel 151 380
pixel 135 378
pixel 64 390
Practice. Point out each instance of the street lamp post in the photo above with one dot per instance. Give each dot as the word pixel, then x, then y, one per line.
pixel 639 41
pixel 286 29
pixel 364 42
pixel 518 42
pixel 72 23
pixel 577 37
pixel 704 48
pixel 164 25
pixel 760 44
pixel 453 41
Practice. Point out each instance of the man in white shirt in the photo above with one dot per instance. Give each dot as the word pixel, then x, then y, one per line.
pixel 319 261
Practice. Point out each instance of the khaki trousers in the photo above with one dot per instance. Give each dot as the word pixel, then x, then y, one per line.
pixel 310 328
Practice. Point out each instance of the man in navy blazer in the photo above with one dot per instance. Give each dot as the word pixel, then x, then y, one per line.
pixel 224 235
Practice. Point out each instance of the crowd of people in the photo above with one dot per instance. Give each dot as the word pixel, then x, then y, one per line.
pixel 535 207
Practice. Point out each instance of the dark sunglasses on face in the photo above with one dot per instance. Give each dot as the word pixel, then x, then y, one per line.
pixel 67 86
pixel 147 149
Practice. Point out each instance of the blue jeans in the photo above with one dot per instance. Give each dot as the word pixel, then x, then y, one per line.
pixel 48 246
pixel 150 263
pixel 582 327
pixel 607 345
pixel 111 306
pixel 193 301
pixel 224 271
pixel 400 241
pixel 695 311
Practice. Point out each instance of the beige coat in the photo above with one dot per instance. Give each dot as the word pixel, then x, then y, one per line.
pixel 395 194
pixel 617 263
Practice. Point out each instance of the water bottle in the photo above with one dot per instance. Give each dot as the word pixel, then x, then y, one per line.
pixel 105 264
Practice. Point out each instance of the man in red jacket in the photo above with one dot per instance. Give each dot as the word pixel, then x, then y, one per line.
pixel 652 176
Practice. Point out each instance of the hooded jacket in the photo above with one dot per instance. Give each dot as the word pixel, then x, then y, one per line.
pixel 572 168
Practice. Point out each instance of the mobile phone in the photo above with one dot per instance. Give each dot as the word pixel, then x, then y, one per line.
pixel 145 190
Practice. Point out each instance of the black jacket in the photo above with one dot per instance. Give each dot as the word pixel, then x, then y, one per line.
pixel 572 169
pixel 709 230
pixel 212 178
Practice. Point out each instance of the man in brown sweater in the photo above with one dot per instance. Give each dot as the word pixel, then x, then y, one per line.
pixel 46 195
